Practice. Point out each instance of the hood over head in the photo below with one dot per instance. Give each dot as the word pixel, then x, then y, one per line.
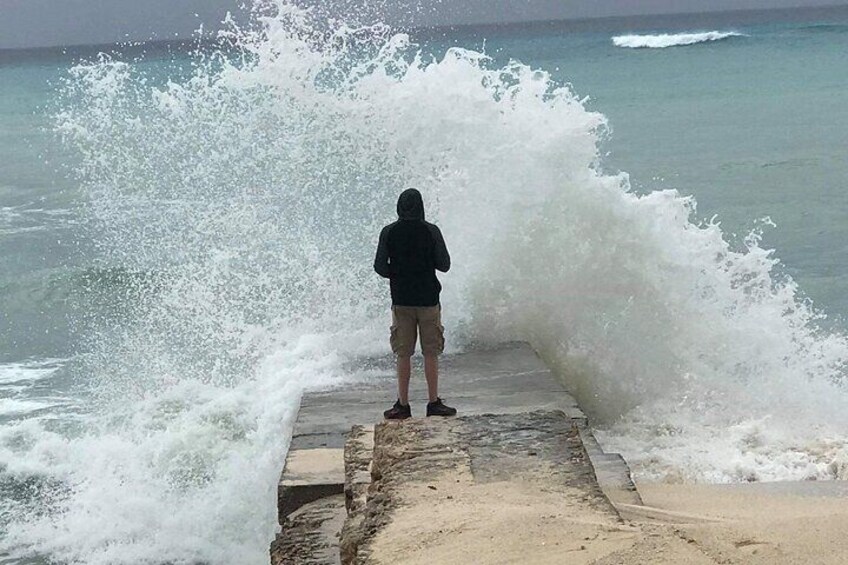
pixel 410 205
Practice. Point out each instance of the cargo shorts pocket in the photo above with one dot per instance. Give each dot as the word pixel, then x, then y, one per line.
pixel 402 340
pixel 393 339
pixel 432 338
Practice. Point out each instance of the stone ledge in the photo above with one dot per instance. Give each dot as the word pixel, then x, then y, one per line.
pixel 611 470
pixel 309 475
pixel 435 478
pixel 309 535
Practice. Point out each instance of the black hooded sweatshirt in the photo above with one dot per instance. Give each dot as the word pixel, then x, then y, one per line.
pixel 409 252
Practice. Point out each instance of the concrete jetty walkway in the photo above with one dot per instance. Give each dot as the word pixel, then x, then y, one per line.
pixel 519 466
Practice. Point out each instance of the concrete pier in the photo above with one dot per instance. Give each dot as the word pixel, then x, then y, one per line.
pixel 518 426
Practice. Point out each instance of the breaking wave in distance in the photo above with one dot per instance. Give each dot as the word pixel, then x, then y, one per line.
pixel 664 40
pixel 244 202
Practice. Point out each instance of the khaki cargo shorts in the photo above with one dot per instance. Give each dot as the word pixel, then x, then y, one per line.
pixel 409 321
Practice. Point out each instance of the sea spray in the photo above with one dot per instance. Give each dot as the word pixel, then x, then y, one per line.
pixel 246 199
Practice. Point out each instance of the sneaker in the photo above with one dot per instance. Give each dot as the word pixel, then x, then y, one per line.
pixel 398 412
pixel 437 408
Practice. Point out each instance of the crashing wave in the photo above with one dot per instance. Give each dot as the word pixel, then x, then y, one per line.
pixel 242 202
pixel 664 40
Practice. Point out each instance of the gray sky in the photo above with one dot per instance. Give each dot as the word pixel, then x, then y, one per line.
pixel 35 23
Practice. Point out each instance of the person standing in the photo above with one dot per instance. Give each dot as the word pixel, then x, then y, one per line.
pixel 409 252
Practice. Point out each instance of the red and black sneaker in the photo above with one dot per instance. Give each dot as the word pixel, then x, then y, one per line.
pixel 398 412
pixel 438 408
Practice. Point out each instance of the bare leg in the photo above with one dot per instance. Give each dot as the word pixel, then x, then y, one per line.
pixel 431 372
pixel 404 371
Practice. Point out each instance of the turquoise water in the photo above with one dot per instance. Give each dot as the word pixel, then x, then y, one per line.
pixel 181 259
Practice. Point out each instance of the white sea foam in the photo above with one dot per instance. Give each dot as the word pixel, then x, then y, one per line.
pixel 17 406
pixel 16 386
pixel 11 373
pixel 664 40
pixel 248 200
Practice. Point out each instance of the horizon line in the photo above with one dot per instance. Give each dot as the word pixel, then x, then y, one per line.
pixel 213 38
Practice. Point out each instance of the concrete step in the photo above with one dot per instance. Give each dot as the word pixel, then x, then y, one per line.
pixel 310 535
pixel 309 475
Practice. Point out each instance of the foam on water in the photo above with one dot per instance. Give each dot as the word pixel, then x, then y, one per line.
pixel 14 373
pixel 247 200
pixel 21 391
pixel 664 40
pixel 13 406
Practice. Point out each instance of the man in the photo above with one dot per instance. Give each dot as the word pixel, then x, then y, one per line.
pixel 409 252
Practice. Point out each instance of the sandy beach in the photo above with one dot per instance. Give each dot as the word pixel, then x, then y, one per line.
pixel 774 523
pixel 769 523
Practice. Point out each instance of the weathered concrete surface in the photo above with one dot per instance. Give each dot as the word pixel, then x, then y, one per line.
pixel 443 489
pixel 359 451
pixel 506 379
pixel 509 379
pixel 310 535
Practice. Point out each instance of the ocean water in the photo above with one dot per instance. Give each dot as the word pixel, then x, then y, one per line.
pixel 657 204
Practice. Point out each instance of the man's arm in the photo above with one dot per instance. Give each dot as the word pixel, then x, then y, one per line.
pixel 441 257
pixel 381 261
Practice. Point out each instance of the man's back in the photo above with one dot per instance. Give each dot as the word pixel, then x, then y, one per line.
pixel 409 252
